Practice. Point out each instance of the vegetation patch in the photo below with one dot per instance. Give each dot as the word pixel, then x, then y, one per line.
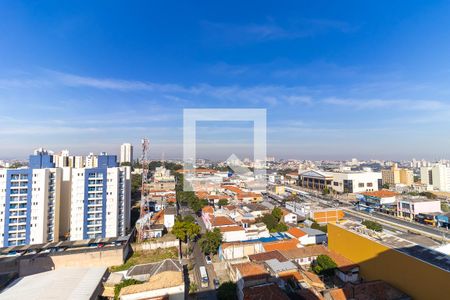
pixel 145 257
pixel 124 283
pixel 372 225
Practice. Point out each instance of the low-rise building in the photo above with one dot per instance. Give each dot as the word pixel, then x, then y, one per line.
pixel 410 207
pixel 341 182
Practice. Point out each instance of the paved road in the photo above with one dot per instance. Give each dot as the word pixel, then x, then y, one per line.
pixel 387 221
pixel 207 293
pixel 412 226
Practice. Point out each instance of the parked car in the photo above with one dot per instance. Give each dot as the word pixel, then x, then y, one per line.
pixel 216 283
pixel 208 259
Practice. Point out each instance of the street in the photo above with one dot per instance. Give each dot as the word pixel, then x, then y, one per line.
pixel 198 260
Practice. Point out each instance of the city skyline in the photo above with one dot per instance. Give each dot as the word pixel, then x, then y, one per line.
pixel 338 81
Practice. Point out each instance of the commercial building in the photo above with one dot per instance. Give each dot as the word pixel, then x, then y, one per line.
pixel 396 175
pixel 410 207
pixel 383 200
pixel 126 153
pixel 341 182
pixel 420 272
pixel 436 177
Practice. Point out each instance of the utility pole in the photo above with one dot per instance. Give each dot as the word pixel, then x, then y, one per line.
pixel 145 146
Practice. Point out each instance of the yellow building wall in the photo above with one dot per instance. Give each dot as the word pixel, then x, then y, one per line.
pixel 418 279
pixel 279 189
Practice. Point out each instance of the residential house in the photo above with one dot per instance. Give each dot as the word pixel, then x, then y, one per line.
pixel 313 236
pixel 233 233
pixel 162 280
pixel 269 291
pixel 288 216
pixel 247 275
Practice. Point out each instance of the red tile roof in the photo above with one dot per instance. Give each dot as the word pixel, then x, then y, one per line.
pixel 231 228
pixel 251 270
pixel 208 209
pixel 264 292
pixel 261 257
pixel 296 232
pixel 222 221
pixel 281 245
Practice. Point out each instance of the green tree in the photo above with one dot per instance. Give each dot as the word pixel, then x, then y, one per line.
pixel 325 191
pixel 189 219
pixel 210 241
pixel 227 291
pixel 197 205
pixel 385 186
pixel 324 265
pixel 223 202
pixel 185 230
pixel 277 213
pixel 270 221
pixel 136 183
pixel 281 227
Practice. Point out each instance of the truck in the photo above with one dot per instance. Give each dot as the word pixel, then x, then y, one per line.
pixel 204 277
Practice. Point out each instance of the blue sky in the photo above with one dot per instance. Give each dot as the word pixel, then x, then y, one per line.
pixel 366 79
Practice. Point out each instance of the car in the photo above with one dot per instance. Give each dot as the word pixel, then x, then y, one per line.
pixel 208 259
pixel 216 283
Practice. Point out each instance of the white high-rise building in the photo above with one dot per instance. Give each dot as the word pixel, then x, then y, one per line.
pixel 126 153
pixel 43 203
pixel 30 200
pixel 436 177
pixel 100 202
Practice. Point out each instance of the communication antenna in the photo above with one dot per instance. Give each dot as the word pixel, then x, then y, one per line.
pixel 145 146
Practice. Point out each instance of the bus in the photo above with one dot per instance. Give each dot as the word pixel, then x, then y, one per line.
pixel 204 277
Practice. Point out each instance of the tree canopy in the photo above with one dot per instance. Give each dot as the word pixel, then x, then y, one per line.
pixel 210 241
pixel 227 291
pixel 324 265
pixel 223 202
pixel 185 230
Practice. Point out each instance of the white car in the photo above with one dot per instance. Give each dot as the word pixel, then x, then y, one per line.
pixel 208 259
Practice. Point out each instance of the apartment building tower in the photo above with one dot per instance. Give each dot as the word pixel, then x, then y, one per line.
pixel 126 153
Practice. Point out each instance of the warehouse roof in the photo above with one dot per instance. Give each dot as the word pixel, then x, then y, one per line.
pixel 66 283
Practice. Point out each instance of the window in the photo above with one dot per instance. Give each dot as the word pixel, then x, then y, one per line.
pixel 361 184
pixel 369 184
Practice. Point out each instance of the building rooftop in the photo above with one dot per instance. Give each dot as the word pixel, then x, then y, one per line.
pixel 65 283
pixel 417 199
pixel 366 290
pixel 296 232
pixel 312 232
pixel 231 228
pixel 261 257
pixel 276 266
pixel 251 270
pixel 422 253
pixel 268 291
pixel 281 245
pixel 155 268
pixel 166 279
pixel 222 221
